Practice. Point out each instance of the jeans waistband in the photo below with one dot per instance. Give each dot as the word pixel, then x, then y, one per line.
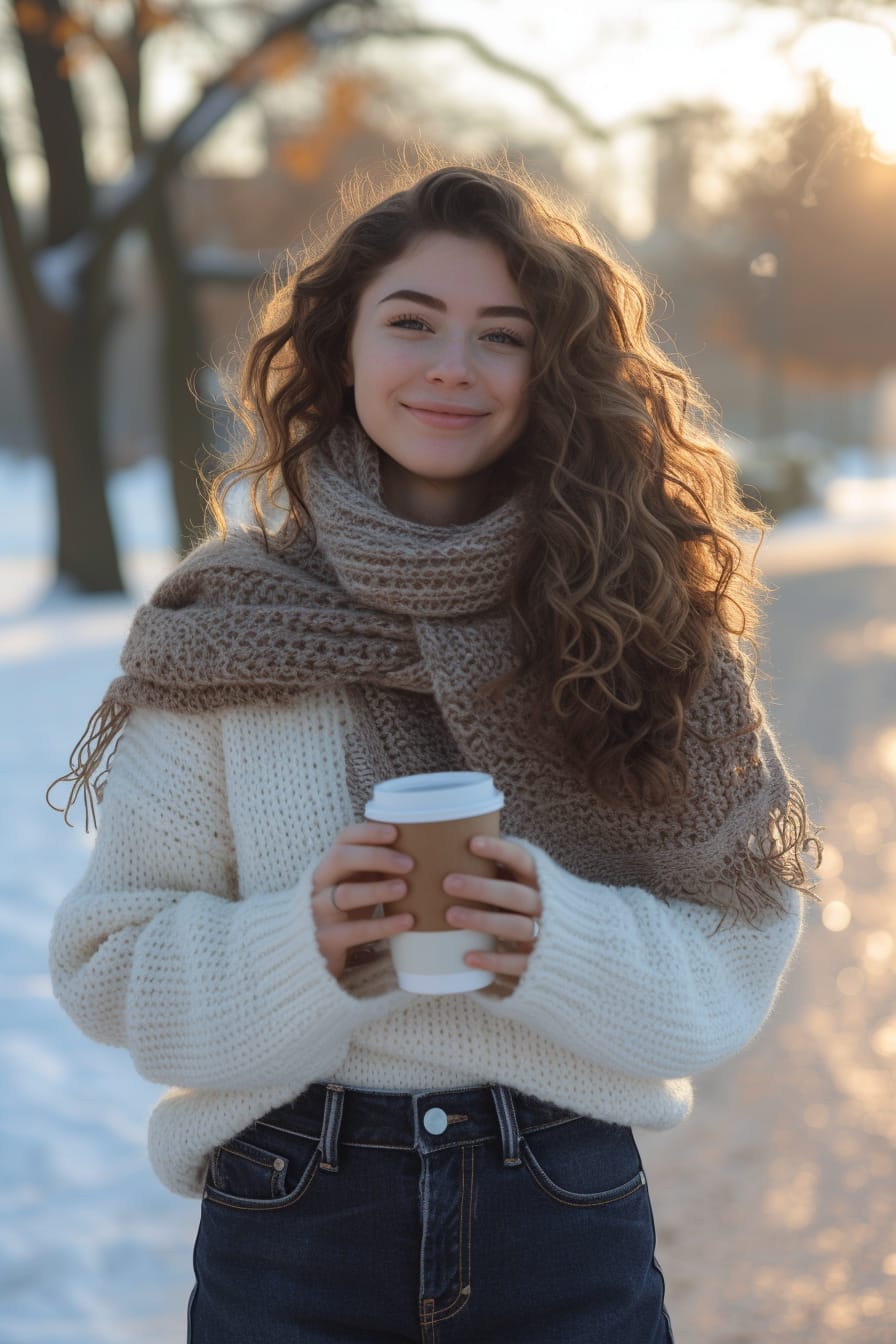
pixel 425 1121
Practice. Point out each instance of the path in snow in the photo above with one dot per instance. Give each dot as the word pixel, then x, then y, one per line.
pixel 773 1202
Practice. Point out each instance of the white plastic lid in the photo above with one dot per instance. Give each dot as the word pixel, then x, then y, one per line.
pixel 439 796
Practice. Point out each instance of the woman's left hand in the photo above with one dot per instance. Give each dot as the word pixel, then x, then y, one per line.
pixel 517 902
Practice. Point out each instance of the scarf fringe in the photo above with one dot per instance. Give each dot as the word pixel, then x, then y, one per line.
pixel 87 775
pixel 771 863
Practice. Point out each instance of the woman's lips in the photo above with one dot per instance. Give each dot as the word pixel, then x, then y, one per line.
pixel 444 419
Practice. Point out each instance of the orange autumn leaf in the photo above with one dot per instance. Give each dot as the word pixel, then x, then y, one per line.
pixel 31 18
pixel 343 101
pixel 65 28
pixel 278 60
pixel 150 18
pixel 305 159
pixel 288 54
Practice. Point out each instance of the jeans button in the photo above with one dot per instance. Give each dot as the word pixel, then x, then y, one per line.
pixel 435 1121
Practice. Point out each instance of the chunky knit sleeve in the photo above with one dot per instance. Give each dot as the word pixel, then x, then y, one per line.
pixel 649 988
pixel 155 951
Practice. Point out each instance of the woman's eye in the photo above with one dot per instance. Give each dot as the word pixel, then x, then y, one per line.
pixel 505 337
pixel 408 322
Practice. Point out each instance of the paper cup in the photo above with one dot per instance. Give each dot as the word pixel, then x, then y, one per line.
pixel 436 815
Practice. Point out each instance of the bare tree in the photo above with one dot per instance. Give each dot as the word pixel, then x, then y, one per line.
pixel 63 323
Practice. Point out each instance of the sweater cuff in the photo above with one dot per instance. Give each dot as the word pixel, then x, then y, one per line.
pixel 262 1007
pixel 558 985
pixel 639 985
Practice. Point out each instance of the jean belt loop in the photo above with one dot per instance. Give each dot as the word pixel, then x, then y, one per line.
pixel 329 1135
pixel 507 1123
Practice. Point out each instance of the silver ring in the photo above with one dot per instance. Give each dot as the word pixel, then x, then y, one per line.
pixel 333 899
pixel 536 928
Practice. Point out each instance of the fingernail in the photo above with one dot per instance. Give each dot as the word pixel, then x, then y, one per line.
pixel 479 842
pixel 454 882
pixel 405 861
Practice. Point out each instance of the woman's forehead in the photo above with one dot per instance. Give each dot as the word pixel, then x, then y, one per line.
pixel 448 266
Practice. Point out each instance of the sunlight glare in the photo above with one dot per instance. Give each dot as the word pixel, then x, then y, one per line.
pixel 859 62
pixel 885 750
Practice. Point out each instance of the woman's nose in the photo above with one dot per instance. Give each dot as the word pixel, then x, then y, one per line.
pixel 451 363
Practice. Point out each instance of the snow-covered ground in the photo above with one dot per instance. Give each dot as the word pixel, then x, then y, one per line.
pixel 92 1248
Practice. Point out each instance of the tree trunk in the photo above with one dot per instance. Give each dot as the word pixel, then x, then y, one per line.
pixel 180 336
pixel 180 339
pixel 64 322
pixel 56 351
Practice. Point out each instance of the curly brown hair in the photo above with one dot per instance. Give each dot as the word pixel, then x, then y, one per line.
pixel 632 565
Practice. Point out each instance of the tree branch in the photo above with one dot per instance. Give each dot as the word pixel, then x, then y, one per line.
pixel 122 206
pixel 525 74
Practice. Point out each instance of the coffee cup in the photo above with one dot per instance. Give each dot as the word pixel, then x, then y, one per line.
pixel 436 815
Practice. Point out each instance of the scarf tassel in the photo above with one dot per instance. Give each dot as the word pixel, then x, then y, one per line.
pixel 773 862
pixel 87 775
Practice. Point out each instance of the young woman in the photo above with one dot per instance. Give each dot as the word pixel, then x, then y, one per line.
pixel 506 545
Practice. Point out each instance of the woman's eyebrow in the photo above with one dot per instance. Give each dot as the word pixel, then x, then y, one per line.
pixel 429 301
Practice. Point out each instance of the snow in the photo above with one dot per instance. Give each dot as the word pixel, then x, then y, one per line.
pixel 92 1248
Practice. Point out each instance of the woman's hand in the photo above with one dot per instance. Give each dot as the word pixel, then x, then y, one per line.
pixel 517 902
pixel 348 884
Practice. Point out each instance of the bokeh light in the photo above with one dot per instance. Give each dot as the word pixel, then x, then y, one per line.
pixel 836 916
pixel 883 1042
pixel 885 753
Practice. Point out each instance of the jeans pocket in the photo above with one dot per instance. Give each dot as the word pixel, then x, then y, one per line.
pixel 585 1162
pixel 243 1174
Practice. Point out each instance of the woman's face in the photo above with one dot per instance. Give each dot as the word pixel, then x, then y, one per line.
pixel 440 359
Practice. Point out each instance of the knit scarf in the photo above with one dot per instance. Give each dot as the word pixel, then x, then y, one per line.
pixel 412 620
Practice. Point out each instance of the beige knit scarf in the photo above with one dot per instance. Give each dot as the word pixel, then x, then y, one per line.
pixel 412 619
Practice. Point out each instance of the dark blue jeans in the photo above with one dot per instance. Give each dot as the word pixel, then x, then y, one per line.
pixel 479 1215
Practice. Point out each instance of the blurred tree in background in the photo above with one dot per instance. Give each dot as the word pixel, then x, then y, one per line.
pixel 791 276
pixel 61 280
pixel 820 220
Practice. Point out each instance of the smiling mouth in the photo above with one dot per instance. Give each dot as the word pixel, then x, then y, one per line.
pixel 459 419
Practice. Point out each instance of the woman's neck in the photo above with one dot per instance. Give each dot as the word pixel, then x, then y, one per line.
pixel 435 503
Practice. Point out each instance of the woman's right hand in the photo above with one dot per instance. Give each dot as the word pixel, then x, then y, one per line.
pixel 352 871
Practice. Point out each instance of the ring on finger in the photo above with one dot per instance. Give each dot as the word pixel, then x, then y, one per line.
pixel 333 899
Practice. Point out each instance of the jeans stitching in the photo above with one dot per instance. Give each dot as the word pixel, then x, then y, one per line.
pixel 511 1137
pixel 466 1220
pixel 262 1205
pixel 585 1201
pixel 332 1122
pixel 410 1148
pixel 235 1152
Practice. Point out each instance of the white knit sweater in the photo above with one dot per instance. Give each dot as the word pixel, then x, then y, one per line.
pixel 190 941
